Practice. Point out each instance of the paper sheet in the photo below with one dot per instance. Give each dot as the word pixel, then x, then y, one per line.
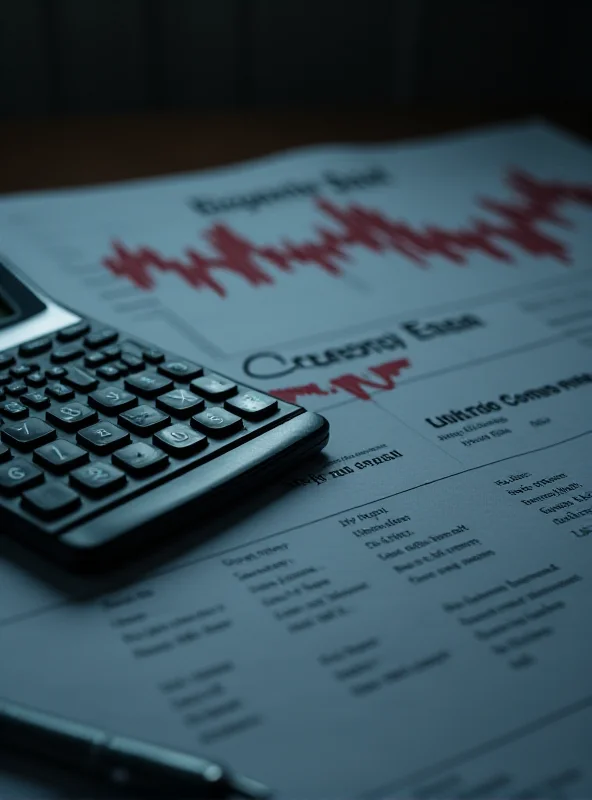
pixel 407 616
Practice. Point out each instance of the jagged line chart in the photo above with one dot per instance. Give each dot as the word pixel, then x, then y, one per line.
pixel 515 222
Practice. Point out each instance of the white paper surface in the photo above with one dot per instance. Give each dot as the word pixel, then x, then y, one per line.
pixel 407 616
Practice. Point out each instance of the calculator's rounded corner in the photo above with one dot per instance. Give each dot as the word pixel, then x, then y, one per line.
pixel 315 428
pixel 100 544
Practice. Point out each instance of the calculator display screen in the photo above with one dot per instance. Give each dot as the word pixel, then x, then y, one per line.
pixel 5 309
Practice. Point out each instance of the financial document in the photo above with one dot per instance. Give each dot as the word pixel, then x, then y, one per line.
pixel 408 614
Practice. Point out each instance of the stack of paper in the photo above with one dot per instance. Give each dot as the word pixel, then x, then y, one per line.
pixel 407 616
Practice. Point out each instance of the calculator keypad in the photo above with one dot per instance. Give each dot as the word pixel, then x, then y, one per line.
pixel 6 359
pixel 103 437
pixel 59 392
pixel 144 420
pixel 182 371
pixel 35 347
pixel 80 380
pixel 36 380
pixel 180 403
pixel 73 331
pixel 36 400
pixel 51 500
pixel 87 420
pixel 101 338
pixel 180 441
pixel 16 388
pixel 20 371
pixel 72 417
pixel 217 422
pixel 131 362
pixel 108 372
pixel 27 434
pixel 112 400
pixel 252 405
pixel 60 456
pixel 149 384
pixel 18 475
pixel 98 478
pixel 13 409
pixel 214 387
pixel 69 352
pixel 140 459
pixel 55 373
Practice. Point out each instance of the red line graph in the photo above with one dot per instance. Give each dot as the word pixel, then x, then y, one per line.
pixel 353 384
pixel 515 222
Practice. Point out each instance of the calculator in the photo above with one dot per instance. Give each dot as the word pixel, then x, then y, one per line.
pixel 109 442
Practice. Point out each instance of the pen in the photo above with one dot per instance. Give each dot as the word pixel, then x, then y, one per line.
pixel 120 760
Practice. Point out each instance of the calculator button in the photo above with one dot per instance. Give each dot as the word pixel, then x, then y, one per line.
pixel 132 362
pixel 144 420
pixel 54 373
pixel 59 392
pixel 80 380
pixel 61 355
pixel 108 373
pixel 101 338
pixel 179 440
pixel 28 434
pixel 180 403
pixel 36 400
pixel 4 379
pixel 112 352
pixel 252 405
pixel 2 393
pixel 214 387
pixel 73 332
pixel 148 384
pixel 16 388
pixel 103 437
pixel 6 360
pixel 20 371
pixel 122 368
pixel 50 501
pixel 60 456
pixel 153 355
pixel 98 478
pixel 140 459
pixel 4 452
pixel 18 475
pixel 36 347
pixel 13 409
pixel 36 380
pixel 182 371
pixel 72 417
pixel 217 422
pixel 112 400
pixel 95 359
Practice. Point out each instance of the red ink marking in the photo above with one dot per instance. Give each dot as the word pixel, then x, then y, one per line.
pixel 355 385
pixel 349 383
pixel 536 202
pixel 291 395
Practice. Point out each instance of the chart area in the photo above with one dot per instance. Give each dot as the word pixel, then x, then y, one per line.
pixel 307 245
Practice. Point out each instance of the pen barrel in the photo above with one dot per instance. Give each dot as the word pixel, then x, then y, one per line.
pixel 58 739
pixel 139 764
pixel 119 760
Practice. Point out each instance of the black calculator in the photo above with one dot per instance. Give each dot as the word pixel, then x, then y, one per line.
pixel 108 442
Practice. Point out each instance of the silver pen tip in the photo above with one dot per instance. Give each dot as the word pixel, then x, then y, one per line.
pixel 248 788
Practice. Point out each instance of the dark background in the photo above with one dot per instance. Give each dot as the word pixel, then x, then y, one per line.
pixel 103 90
pixel 71 56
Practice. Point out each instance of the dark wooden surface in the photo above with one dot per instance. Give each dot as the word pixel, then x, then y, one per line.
pixel 51 153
